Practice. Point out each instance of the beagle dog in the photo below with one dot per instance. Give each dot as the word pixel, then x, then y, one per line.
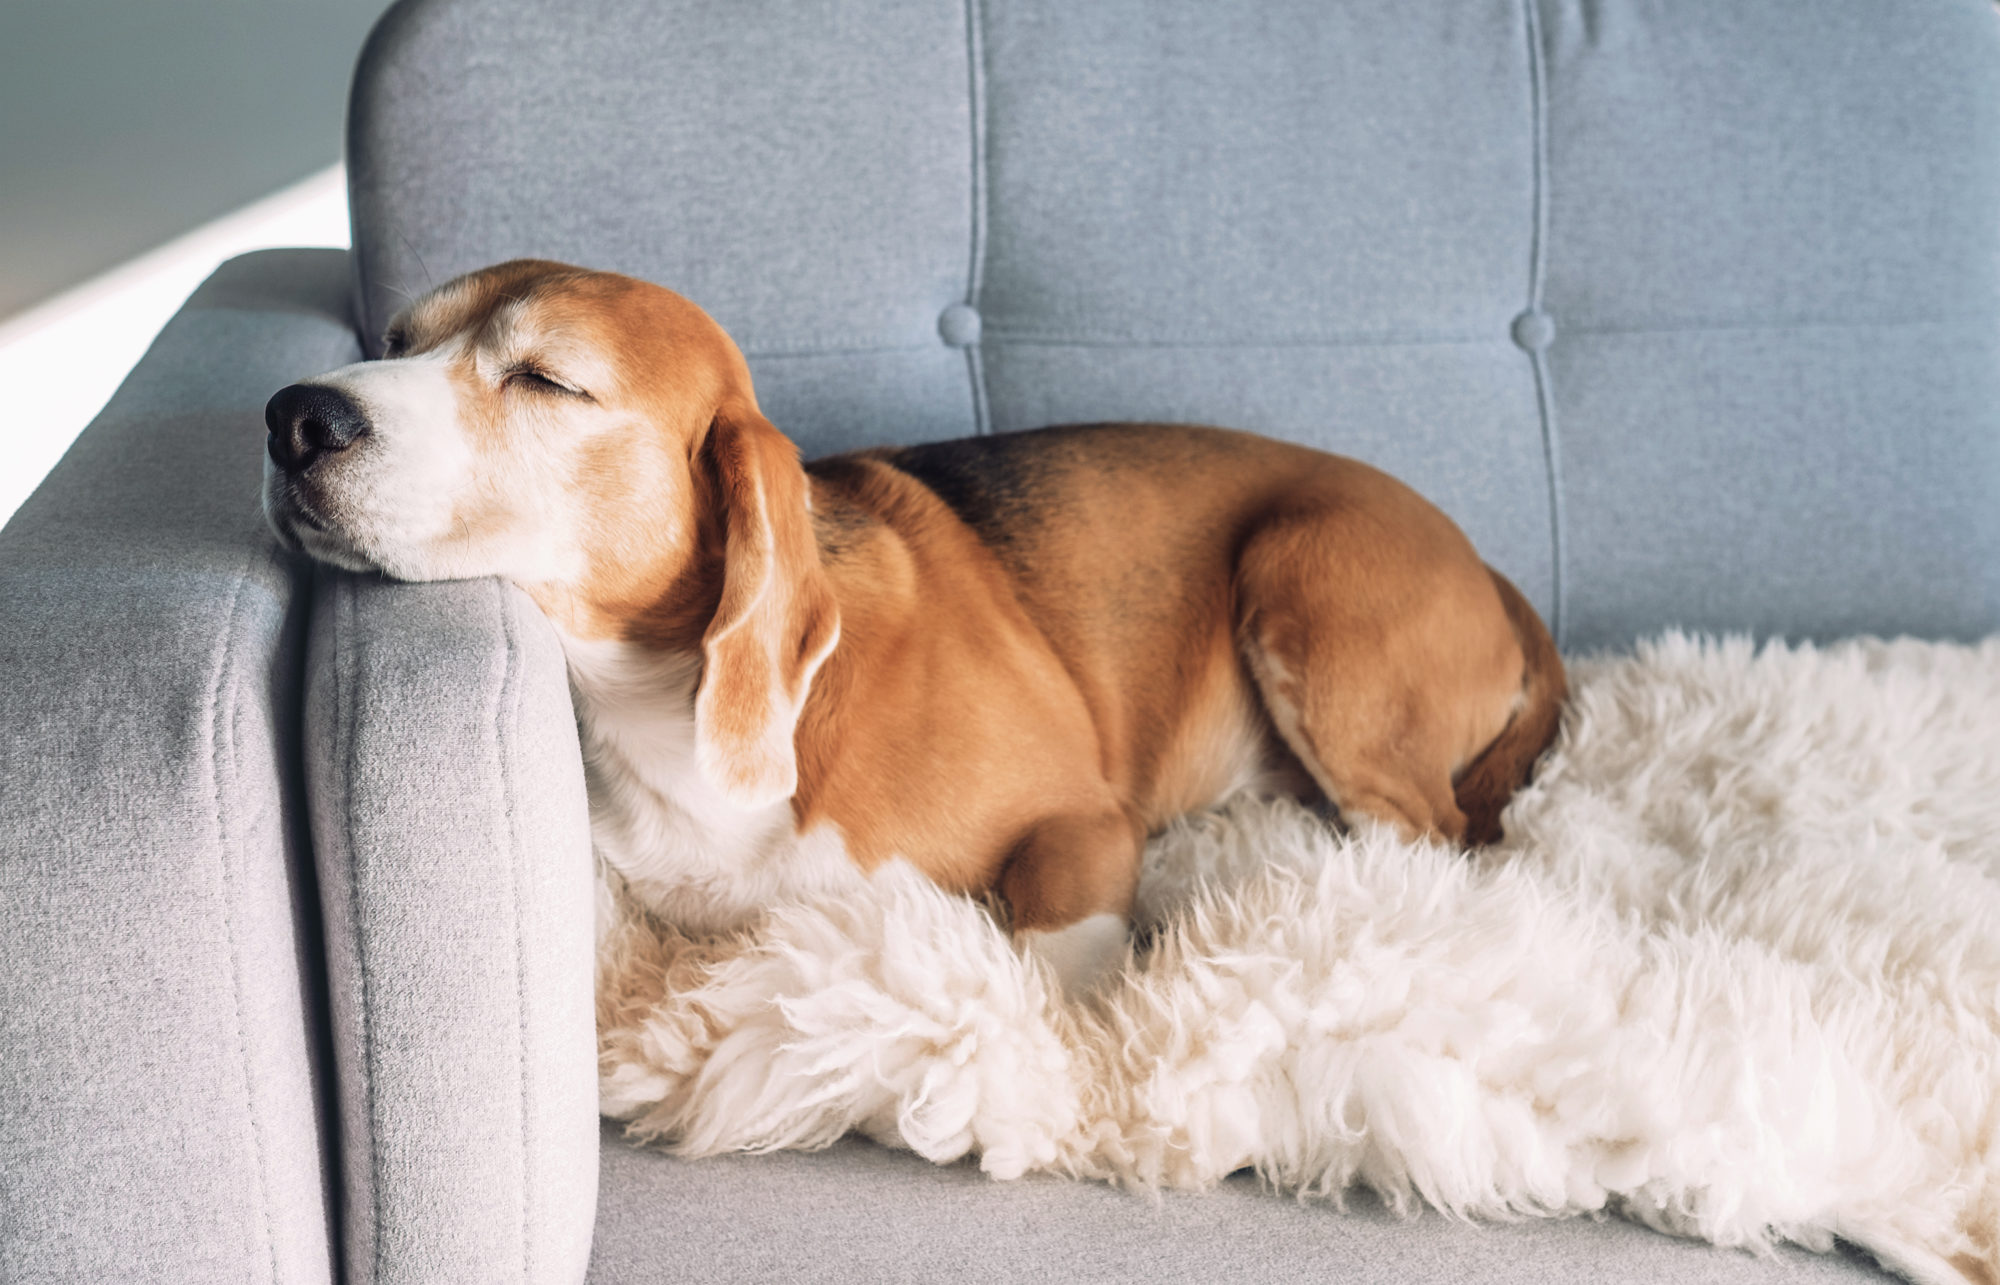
pixel 1004 660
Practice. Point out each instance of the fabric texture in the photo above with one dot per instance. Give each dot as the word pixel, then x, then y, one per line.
pixel 1689 314
pixel 858 1214
pixel 1761 390
pixel 453 848
pixel 663 140
pixel 1773 270
pixel 162 1064
pixel 1732 973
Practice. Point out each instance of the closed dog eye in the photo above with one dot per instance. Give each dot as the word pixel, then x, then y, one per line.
pixel 535 380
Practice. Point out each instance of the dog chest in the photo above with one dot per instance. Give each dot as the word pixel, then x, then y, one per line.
pixel 686 853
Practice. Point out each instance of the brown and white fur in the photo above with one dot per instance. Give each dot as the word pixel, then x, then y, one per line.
pixel 1004 660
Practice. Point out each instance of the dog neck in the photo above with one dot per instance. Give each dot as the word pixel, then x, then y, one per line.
pixel 634 641
pixel 684 851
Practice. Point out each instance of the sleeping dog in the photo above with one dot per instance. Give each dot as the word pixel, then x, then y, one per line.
pixel 1005 660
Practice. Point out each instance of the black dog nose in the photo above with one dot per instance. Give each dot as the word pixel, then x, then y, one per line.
pixel 307 421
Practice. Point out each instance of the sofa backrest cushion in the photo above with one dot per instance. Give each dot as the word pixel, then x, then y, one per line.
pixel 1688 312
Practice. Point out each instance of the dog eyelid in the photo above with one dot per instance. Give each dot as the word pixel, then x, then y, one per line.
pixel 393 343
pixel 537 378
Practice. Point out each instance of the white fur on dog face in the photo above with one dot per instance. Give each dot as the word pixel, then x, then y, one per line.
pixel 466 465
pixel 392 498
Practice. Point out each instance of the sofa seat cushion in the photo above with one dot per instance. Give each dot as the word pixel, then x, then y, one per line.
pixel 859 1212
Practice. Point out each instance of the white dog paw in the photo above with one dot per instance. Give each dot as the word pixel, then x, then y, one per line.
pixel 1081 955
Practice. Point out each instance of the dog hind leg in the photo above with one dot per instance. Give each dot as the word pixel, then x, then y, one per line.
pixel 1385 664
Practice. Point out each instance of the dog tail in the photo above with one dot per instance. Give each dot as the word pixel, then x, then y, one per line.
pixel 1486 785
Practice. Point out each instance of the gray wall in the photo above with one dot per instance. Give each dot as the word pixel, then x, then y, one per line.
pixel 124 123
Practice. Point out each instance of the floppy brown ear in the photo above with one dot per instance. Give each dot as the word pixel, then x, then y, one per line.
pixel 776 622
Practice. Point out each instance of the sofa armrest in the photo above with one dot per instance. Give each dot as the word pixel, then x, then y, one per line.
pixel 452 839
pixel 161 1039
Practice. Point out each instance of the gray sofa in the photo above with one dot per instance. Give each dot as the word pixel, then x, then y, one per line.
pixel 1689 313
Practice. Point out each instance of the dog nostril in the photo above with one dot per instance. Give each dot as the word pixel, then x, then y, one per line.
pixel 317 436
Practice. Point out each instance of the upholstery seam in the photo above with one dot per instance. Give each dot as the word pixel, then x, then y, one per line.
pixel 975 277
pixel 222 732
pixel 1537 272
pixel 344 723
pixel 836 348
pixel 1106 338
pixel 1357 339
pixel 1725 327
pixel 506 717
pixel 325 1076
pixel 361 303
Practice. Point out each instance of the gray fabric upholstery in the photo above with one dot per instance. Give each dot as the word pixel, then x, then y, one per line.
pixel 453 847
pixel 858 1213
pixel 1774 263
pixel 834 138
pixel 161 1072
pixel 1764 393
pixel 1689 312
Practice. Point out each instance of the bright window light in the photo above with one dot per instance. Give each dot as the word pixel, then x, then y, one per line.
pixel 61 361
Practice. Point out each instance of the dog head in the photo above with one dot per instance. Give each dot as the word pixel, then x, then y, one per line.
pixel 596 440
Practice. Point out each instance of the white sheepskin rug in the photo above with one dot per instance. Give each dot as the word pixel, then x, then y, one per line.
pixel 1734 973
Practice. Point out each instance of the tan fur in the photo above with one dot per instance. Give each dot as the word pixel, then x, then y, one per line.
pixel 1009 695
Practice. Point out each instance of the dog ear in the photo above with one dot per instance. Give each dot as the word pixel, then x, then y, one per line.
pixel 776 622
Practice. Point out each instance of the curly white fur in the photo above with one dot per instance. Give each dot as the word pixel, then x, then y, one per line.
pixel 1735 973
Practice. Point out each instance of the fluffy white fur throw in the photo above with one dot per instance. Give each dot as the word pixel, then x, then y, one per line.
pixel 1735 972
